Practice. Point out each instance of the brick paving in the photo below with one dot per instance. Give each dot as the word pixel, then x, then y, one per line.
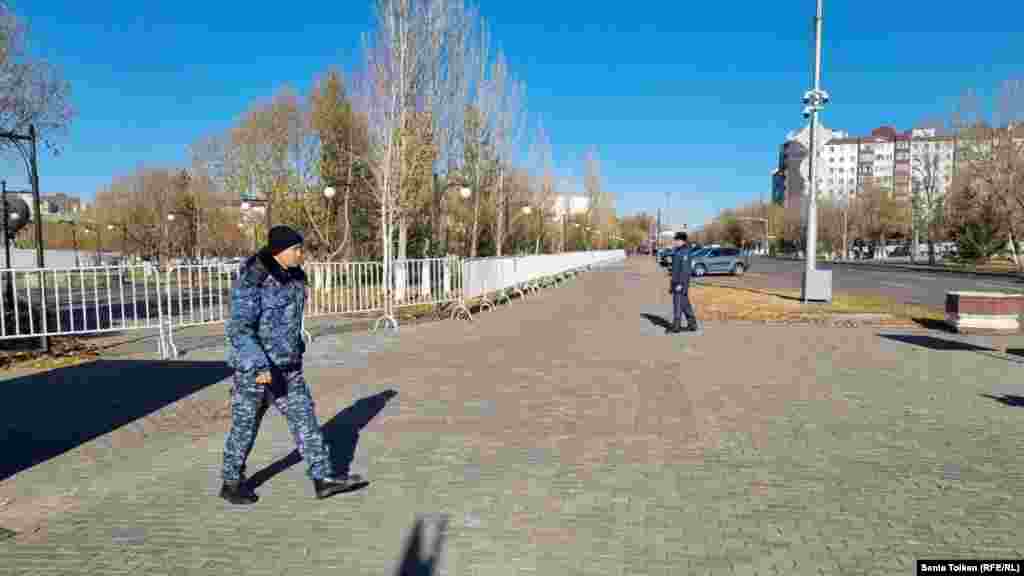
pixel 567 434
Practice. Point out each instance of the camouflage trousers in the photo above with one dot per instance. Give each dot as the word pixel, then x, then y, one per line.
pixel 290 395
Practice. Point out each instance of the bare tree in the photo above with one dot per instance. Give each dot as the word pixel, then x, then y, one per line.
pixel 510 123
pixel 449 25
pixel 341 138
pixel 396 62
pixel 32 92
pixel 879 214
pixel 830 225
pixel 415 179
pixel 479 121
pixel 793 225
pixel 928 198
pixel 992 156
pixel 258 157
pixel 542 188
pixel 594 190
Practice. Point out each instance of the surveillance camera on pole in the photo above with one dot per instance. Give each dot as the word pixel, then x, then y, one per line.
pixel 18 216
pixel 816 285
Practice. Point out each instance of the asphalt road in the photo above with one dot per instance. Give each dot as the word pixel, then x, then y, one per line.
pixel 905 286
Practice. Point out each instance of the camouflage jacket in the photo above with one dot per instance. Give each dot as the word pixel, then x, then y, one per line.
pixel 265 326
pixel 681 267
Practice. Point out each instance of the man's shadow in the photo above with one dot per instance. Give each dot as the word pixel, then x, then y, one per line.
pixel 341 434
pixel 422 555
pixel 657 320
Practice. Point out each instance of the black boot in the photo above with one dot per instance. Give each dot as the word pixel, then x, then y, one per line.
pixel 327 487
pixel 676 328
pixel 691 325
pixel 238 493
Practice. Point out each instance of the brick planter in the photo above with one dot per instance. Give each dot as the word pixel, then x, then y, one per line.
pixel 984 312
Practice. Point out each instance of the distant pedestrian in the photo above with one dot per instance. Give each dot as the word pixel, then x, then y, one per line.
pixel 680 287
pixel 265 350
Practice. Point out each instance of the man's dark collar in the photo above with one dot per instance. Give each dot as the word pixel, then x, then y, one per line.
pixel 274 268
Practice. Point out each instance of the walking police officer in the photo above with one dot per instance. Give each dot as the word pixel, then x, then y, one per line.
pixel 680 286
pixel 265 349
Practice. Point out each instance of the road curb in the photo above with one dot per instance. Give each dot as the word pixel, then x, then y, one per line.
pixel 905 267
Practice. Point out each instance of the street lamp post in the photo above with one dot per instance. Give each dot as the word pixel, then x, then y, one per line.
pixel 91 228
pixel 167 235
pixel 14 218
pixel 99 241
pixel 329 193
pixel 124 239
pixel 465 192
pixel 33 175
pixel 245 207
pixel 525 210
pixel 7 228
pixel 565 221
pixel 816 285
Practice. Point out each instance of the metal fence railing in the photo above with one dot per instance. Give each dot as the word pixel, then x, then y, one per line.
pixel 64 301
pixel 430 281
pixel 500 276
pixel 344 288
pixel 103 299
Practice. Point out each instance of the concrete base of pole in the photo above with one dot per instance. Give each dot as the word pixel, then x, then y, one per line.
pixel 816 286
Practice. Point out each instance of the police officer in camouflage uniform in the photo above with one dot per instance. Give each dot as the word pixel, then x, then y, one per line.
pixel 680 287
pixel 265 350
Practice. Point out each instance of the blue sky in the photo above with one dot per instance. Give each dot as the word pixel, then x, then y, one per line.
pixel 687 98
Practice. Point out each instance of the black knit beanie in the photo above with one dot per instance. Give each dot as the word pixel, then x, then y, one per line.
pixel 282 238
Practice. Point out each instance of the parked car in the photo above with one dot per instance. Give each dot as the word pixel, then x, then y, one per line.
pixel 665 257
pixel 720 261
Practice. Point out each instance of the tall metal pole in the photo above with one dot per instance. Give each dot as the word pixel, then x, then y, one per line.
pixel 7 228
pixel 657 232
pixel 269 218
pixel 812 208
pixel 8 286
pixel 668 209
pixel 195 206
pixel 34 169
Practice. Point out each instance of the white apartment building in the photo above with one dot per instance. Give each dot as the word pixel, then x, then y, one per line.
pixel 839 169
pixel 932 161
pixel 896 162
pixel 793 160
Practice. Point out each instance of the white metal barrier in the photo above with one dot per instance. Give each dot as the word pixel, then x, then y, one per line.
pixel 500 276
pixel 65 301
pixel 103 299
pixel 427 281
pixel 344 288
pixel 196 295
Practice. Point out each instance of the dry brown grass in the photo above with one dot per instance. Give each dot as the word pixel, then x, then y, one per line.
pixel 741 303
pixel 64 351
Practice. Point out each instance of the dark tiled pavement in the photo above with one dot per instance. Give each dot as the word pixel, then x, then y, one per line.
pixel 568 435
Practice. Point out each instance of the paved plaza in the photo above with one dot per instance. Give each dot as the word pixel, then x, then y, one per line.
pixel 561 434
